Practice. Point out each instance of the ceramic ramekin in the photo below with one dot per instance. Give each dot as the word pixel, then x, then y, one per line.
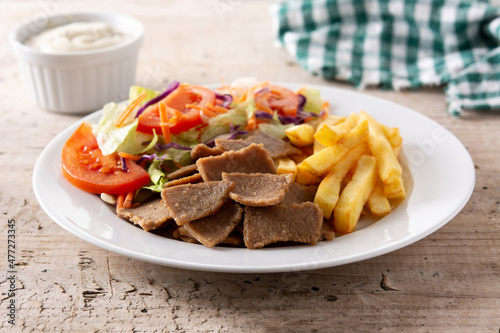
pixel 78 82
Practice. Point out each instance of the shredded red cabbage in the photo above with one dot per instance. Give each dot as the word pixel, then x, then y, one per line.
pixel 233 133
pixel 283 119
pixel 302 101
pixel 301 114
pixel 146 157
pixel 124 164
pixel 263 90
pixel 171 87
pixel 263 115
pixel 289 120
pixel 166 146
pixel 226 99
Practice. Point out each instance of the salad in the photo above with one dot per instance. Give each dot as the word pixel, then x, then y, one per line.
pixel 137 143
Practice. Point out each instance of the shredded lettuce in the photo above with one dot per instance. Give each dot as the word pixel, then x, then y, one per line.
pixel 223 123
pixel 187 138
pixel 134 142
pixel 275 127
pixel 183 157
pixel 109 137
pixel 135 91
pixel 125 138
pixel 237 117
pixel 208 133
pixel 250 108
pixel 313 100
pixel 157 176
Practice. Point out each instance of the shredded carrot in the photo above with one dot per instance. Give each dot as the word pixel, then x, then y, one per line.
pixel 173 120
pixel 325 106
pixel 251 123
pixel 209 106
pixel 165 129
pixel 174 114
pixel 301 90
pixel 252 90
pixel 206 111
pixel 222 81
pixel 216 108
pixel 127 203
pixel 195 106
pixel 220 109
pixel 129 108
pixel 260 106
pixel 177 164
pixel 129 156
pixel 119 201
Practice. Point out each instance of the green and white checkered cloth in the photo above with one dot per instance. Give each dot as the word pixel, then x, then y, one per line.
pixel 398 44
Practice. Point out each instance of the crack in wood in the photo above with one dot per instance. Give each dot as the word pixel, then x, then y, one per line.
pixel 138 271
pixel 154 285
pixel 109 275
pixel 92 292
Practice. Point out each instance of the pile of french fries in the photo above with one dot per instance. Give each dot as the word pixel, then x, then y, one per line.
pixel 354 160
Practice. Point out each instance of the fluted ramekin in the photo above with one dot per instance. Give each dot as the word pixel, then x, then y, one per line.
pixel 78 82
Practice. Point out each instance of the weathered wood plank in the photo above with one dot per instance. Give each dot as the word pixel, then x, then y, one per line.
pixel 447 282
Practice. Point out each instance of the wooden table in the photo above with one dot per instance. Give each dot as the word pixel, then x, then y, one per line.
pixel 447 282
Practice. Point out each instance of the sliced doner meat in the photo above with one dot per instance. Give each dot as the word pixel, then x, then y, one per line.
pixel 202 150
pixel 252 159
pixel 292 223
pixel 184 180
pixel 190 202
pixel 214 229
pixel 149 216
pixel 298 193
pixel 276 147
pixel 258 189
pixel 183 172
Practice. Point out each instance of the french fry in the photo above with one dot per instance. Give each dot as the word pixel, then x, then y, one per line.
pixel 354 196
pixel 395 189
pixel 300 135
pixel 304 177
pixel 377 202
pixel 317 146
pixel 328 135
pixel 331 120
pixel 345 181
pixel 393 136
pixel 286 165
pixel 397 150
pixel 328 191
pixel 388 164
pixel 318 163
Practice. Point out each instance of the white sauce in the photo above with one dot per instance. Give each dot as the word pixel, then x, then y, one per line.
pixel 77 36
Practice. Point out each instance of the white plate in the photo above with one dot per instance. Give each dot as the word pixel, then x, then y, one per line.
pixel 438 170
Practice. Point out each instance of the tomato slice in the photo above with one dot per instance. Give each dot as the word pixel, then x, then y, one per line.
pixel 184 94
pixel 279 99
pixel 84 166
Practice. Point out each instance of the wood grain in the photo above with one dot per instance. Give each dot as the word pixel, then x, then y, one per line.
pixel 447 282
